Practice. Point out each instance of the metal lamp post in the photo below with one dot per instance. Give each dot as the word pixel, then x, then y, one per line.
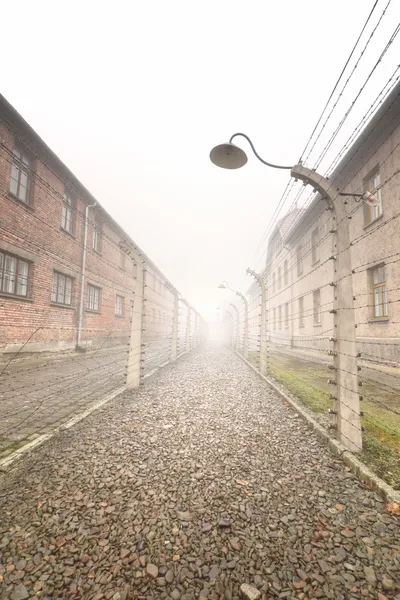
pixel 225 286
pixel 348 423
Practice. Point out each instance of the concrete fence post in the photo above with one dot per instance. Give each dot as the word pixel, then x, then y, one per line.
pixel 246 325
pixel 134 368
pixel 235 308
pixel 348 422
pixel 174 334
pixel 263 320
pixel 187 344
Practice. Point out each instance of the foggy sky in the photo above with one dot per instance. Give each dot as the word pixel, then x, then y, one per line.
pixel 133 95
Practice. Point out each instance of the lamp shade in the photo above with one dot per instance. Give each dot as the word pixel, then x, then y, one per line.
pixel 228 156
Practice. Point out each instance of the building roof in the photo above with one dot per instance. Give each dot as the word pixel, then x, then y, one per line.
pixel 385 120
pixel 39 147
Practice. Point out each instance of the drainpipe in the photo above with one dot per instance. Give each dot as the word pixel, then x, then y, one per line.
pixel 83 271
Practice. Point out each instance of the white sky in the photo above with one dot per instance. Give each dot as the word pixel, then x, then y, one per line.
pixel 133 95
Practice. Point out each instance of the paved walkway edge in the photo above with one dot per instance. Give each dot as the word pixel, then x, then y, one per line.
pixel 357 467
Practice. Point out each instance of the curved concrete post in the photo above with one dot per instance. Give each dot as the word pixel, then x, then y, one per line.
pixel 344 339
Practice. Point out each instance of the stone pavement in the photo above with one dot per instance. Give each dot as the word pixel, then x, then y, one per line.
pixel 198 483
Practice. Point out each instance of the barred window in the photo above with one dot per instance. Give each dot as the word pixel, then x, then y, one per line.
pixel 14 275
pixel 286 315
pixel 285 273
pixel 68 213
pixel 61 291
pixel 93 298
pixel 119 305
pixel 21 175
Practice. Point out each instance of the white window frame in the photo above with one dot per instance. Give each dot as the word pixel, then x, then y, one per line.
pixel 379 291
pixel 372 213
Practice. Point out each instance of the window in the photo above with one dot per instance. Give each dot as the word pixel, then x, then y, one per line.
pixel 14 275
pixel 279 278
pixel 97 234
pixel 317 307
pixel 153 315
pixel 371 213
pixel 301 311
pixel 68 213
pixel 21 175
pixel 122 256
pixel 285 273
pixel 299 256
pixel 286 315
pixel 379 294
pixel 61 291
pixel 280 317
pixel 93 298
pixel 274 318
pixel 315 245
pixel 119 305
pixel 273 283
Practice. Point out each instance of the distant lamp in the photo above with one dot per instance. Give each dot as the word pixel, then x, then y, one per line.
pixel 222 286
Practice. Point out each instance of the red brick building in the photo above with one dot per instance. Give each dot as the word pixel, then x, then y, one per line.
pixel 54 293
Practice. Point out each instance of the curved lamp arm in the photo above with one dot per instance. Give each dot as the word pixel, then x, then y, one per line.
pixel 256 153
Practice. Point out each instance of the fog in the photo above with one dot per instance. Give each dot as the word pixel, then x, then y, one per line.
pixel 133 95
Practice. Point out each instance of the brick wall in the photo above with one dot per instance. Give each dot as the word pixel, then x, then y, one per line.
pixel 33 233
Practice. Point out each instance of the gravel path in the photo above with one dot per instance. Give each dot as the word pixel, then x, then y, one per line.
pixel 198 483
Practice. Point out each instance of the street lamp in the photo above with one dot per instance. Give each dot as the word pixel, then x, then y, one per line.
pixel 348 423
pixel 225 286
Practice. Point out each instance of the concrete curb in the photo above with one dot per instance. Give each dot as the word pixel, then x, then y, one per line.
pixel 357 467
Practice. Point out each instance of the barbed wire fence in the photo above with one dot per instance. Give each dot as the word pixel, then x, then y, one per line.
pixel 300 336
pixel 54 364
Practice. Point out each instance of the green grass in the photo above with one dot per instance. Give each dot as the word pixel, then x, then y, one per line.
pixel 307 380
